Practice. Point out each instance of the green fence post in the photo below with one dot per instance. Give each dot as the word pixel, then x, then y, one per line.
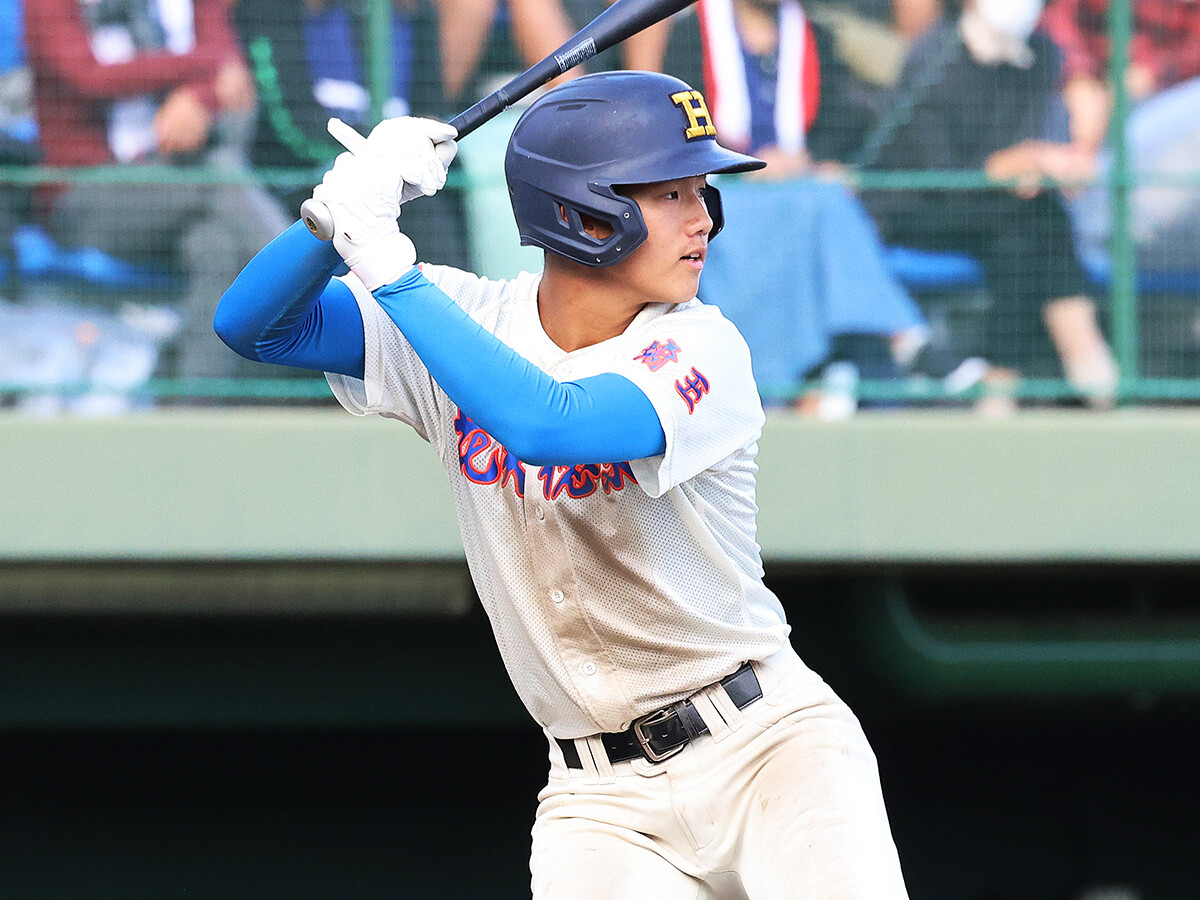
pixel 1121 181
pixel 379 55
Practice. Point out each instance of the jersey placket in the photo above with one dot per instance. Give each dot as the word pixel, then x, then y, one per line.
pixel 583 658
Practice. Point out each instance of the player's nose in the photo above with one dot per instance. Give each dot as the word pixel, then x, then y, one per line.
pixel 699 219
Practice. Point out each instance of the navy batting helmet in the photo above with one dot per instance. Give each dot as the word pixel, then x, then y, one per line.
pixel 577 143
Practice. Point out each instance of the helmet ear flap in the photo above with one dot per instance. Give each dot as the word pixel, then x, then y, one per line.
pixel 716 212
pixel 571 219
pixel 577 222
pixel 566 232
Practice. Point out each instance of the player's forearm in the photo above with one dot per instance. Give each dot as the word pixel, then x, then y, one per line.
pixel 284 309
pixel 535 417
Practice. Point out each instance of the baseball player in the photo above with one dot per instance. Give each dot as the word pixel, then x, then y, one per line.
pixel 599 427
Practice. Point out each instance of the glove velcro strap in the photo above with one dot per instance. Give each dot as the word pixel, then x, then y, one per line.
pixel 383 259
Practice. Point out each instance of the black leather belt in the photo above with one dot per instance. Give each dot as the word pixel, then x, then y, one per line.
pixel 664 732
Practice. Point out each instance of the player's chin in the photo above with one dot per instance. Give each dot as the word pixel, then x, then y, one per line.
pixel 684 285
pixel 683 295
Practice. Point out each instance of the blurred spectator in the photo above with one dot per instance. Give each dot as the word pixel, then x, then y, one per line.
pixel 1163 129
pixel 290 131
pixel 818 291
pixel 288 70
pixel 18 133
pixel 139 81
pixel 333 32
pixel 873 36
pixel 869 36
pixel 912 17
pixel 976 93
pixel 534 28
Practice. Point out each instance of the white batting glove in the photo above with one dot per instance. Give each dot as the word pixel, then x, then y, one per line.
pixel 364 210
pixel 364 189
pixel 406 143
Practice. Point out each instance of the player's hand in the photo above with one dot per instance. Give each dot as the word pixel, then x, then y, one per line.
pixel 363 197
pixel 402 159
pixel 416 153
pixel 420 149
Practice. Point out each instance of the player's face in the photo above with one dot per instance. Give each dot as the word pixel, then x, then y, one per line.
pixel 666 267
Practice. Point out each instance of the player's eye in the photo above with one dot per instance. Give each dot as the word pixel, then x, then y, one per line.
pixel 672 195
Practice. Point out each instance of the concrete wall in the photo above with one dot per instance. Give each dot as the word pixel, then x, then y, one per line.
pixel 319 484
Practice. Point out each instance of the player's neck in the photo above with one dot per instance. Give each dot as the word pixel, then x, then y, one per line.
pixel 578 307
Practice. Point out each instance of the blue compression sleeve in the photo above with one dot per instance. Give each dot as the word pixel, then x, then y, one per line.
pixel 283 308
pixel 604 418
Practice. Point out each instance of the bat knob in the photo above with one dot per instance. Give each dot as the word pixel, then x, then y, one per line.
pixel 317 219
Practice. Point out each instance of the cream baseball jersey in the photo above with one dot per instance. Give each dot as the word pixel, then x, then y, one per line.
pixel 601 612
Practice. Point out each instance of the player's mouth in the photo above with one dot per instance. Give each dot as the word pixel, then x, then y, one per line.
pixel 695 259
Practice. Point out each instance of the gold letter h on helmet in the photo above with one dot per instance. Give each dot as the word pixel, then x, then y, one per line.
pixel 699 121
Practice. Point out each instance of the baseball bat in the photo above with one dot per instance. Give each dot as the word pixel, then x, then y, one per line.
pixel 621 20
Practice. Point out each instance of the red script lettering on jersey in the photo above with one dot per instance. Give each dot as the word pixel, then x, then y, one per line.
pixel 484 460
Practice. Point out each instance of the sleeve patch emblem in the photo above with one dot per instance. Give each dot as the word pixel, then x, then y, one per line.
pixel 658 354
pixel 692 388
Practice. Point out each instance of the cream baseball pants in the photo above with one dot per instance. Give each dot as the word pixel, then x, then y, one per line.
pixel 780 801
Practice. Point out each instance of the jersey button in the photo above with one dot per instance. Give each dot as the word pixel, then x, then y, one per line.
pixel 539 512
pixel 588 668
pixel 558 597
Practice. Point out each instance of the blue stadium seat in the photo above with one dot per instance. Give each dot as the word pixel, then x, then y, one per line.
pixel 83 319
pixel 935 270
pixel 38 255
pixel 1149 281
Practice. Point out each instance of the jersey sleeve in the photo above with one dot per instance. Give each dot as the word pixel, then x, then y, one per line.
pixel 396 383
pixel 694 366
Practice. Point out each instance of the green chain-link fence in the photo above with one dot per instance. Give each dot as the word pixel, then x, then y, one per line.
pixel 76 321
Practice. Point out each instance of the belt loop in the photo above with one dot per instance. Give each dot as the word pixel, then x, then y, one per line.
pixel 718 713
pixel 688 718
pixel 595 759
pixel 725 707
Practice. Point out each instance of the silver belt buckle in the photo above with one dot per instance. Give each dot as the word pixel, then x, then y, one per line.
pixel 643 738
